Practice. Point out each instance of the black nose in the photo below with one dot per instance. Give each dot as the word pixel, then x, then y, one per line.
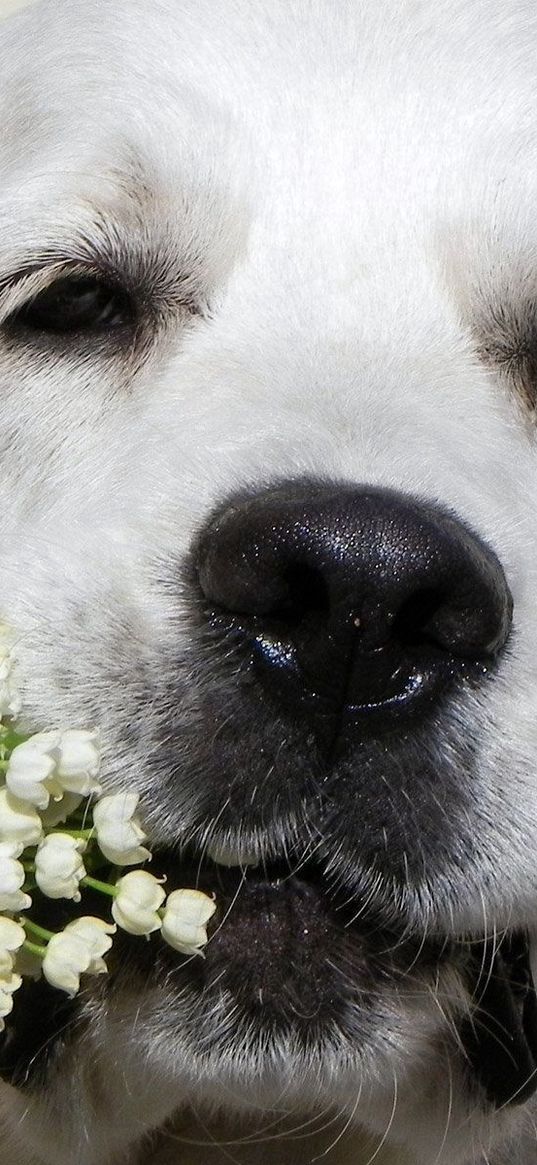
pixel 353 598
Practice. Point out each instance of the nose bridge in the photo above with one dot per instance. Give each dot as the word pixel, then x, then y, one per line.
pixel 360 321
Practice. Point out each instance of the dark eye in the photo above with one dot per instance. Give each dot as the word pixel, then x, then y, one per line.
pixel 77 304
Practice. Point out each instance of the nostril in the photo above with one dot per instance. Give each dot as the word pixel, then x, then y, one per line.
pixel 413 625
pixel 306 599
pixel 349 597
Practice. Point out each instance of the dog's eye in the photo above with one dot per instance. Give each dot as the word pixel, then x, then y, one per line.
pixel 84 303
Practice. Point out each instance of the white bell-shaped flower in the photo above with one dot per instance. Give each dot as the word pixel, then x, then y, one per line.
pixel 119 833
pixel 79 761
pixel 96 933
pixel 12 875
pixel 65 958
pixel 185 917
pixel 12 936
pixel 59 868
pixel 31 770
pixel 9 983
pixel 19 820
pixel 138 899
pixel 50 764
pixel 77 949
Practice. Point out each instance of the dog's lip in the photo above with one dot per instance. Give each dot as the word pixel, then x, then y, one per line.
pixel 225 870
pixel 275 882
pixel 226 864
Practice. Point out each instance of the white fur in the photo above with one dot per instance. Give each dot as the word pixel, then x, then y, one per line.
pixel 348 189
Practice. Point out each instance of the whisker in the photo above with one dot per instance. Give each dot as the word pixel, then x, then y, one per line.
pixel 449 1112
pixel 342 1132
pixel 381 1144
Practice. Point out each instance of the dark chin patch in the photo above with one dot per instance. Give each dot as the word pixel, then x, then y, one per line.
pixel 500 1036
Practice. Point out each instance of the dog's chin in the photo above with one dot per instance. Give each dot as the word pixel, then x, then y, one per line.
pixel 293 955
pixel 291 947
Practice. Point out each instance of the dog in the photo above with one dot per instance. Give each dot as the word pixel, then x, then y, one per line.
pixel 268 382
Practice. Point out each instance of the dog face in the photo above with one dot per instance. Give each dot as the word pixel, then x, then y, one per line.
pixel 267 369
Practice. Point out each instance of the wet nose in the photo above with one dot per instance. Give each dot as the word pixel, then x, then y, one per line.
pixel 352 597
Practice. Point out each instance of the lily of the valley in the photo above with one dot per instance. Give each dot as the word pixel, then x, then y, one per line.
pixel 12 876
pixel 19 820
pixel 12 936
pixel 9 982
pixel 185 917
pixel 119 833
pixel 138 898
pixel 50 764
pixel 31 769
pixel 79 761
pixel 59 868
pixel 77 949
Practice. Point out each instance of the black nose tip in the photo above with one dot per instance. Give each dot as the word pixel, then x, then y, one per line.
pixel 353 597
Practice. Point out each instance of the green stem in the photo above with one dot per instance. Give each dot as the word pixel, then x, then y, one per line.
pixel 38 930
pixel 103 887
pixel 84 833
pixel 34 948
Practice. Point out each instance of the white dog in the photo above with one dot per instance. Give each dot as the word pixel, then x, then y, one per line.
pixel 268 375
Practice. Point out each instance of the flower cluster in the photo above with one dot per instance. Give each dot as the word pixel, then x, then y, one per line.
pixel 57 831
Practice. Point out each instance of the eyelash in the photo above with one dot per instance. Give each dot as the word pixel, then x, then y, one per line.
pixel 103 306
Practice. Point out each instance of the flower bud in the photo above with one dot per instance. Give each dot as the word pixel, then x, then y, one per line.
pixel 77 949
pixel 59 867
pixel 31 770
pixel 96 934
pixel 18 820
pixel 65 958
pixel 185 917
pixel 50 764
pixel 9 983
pixel 12 875
pixel 79 761
pixel 138 899
pixel 12 936
pixel 119 833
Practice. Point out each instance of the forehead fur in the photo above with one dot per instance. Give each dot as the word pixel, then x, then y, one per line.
pixel 374 80
pixel 320 116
